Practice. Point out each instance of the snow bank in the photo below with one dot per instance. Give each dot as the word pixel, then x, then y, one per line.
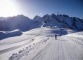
pixel 6 34
pixel 78 34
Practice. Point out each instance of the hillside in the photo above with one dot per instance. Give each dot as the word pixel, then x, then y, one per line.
pixel 24 23
pixel 22 38
pixel 40 44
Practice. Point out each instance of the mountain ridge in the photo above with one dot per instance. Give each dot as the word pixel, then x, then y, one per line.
pixel 24 23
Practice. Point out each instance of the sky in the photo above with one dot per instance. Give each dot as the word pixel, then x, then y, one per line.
pixel 31 8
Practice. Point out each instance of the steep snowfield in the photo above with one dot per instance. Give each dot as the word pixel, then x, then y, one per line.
pixel 40 44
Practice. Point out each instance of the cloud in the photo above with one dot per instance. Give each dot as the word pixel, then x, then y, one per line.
pixel 40 13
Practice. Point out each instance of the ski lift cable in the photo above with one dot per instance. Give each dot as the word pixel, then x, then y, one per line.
pixel 58 10
pixel 58 17
pixel 58 6
pixel 57 14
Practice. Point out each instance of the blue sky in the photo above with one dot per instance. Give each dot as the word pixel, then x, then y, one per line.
pixel 31 8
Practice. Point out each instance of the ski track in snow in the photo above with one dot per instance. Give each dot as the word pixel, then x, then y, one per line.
pixel 12 48
pixel 61 49
pixel 45 47
pixel 19 42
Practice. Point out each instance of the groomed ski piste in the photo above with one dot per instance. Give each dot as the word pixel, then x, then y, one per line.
pixel 40 44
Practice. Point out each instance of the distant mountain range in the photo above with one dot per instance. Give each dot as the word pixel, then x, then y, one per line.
pixel 24 23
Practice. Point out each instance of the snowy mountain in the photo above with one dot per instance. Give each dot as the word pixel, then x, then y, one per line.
pixel 22 38
pixel 24 23
pixel 17 22
pixel 64 21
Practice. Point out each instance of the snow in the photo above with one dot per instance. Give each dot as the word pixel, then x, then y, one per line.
pixel 6 34
pixel 24 23
pixel 76 34
pixel 40 44
pixel 62 49
pixel 16 45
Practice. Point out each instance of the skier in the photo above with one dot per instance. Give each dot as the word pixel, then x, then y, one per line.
pixel 55 37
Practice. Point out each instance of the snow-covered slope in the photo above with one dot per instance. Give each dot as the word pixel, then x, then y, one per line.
pixel 22 38
pixel 16 44
pixel 40 44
